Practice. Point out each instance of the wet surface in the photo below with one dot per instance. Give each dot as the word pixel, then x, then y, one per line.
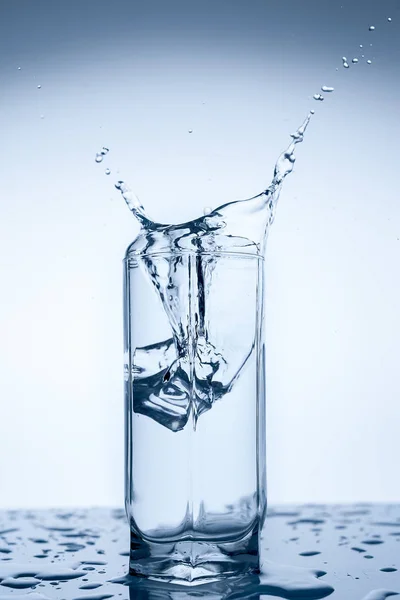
pixel 311 551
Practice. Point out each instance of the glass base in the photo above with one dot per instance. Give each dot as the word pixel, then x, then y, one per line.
pixel 192 562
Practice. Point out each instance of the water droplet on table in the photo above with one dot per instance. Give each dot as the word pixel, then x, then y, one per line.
pixel 379 595
pixel 388 569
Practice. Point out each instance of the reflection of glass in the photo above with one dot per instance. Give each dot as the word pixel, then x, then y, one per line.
pixel 244 588
pixel 195 413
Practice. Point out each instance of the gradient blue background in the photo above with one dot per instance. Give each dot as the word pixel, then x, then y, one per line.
pixel 135 77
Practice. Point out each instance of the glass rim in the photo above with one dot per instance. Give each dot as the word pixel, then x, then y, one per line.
pixel 182 252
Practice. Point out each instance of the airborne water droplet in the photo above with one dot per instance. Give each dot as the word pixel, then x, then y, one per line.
pixel 372 28
pixel 312 111
pixel 190 130
pixel 361 45
pixel 326 88
pixel 39 87
pixel 345 63
pixel 355 60
pixel 18 68
pixel 107 171
pixel 318 97
pixel 389 19
pixel 369 62
pixel 100 155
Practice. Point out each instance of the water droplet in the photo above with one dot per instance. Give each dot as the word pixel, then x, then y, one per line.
pixel 42 116
pixel 372 28
pixel 39 87
pixel 90 586
pixel 369 62
pixel 326 88
pixel 368 556
pixel 379 595
pixel 19 68
pixel 107 171
pixel 389 19
pixel 307 522
pixel 388 569
pixel 355 60
pixel 361 45
pixel 100 155
pixel 312 111
pixel 190 130
pixel 345 63
pixel 207 210
pixel 309 553
pixel 318 97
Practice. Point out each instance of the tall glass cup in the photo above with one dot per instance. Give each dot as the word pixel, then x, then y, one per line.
pixel 195 487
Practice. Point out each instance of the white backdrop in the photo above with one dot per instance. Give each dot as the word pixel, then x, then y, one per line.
pixel 136 80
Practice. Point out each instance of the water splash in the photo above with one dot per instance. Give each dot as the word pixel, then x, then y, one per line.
pixel 133 203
